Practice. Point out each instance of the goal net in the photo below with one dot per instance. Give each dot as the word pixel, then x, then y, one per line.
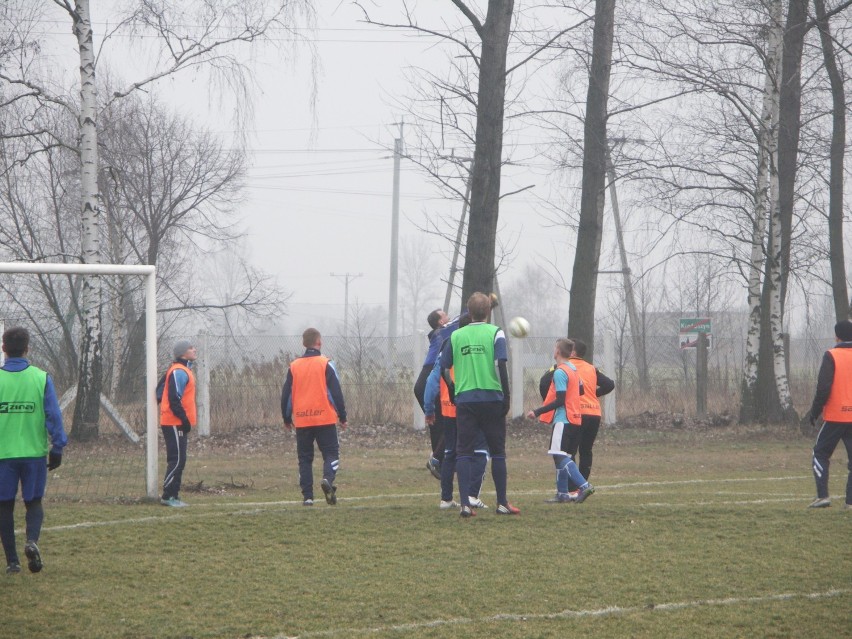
pixel 100 472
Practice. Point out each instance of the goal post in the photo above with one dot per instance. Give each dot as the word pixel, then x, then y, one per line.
pixel 149 273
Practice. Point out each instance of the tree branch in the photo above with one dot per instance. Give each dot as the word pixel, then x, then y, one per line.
pixel 469 15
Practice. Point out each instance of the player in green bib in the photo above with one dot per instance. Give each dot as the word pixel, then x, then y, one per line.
pixel 32 439
pixel 480 391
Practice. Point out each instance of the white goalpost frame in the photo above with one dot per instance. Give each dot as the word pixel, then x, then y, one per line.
pixel 149 272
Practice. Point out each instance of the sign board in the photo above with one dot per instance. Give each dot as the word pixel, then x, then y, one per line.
pixel 690 327
pixel 695 325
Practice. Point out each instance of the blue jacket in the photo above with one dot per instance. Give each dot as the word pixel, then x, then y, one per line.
pixel 437 337
pixel 433 388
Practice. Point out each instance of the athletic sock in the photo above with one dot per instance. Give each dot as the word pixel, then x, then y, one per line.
pixel 34 518
pixel 7 530
pixel 575 475
pixel 463 470
pixel 562 474
pixel 499 475
pixel 477 469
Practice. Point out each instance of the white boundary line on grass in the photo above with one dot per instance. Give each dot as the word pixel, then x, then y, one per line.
pixel 678 482
pixel 270 506
pixel 260 506
pixel 568 614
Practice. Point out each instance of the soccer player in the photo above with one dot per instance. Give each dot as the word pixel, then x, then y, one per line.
pixel 833 399
pixel 441 328
pixel 178 414
pixel 595 385
pixel 561 409
pixel 437 395
pixel 29 417
pixel 479 387
pixel 312 400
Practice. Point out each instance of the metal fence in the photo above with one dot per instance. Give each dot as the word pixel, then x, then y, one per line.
pixel 240 378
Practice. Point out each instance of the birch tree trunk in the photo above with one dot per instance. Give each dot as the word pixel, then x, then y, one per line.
pixel 87 409
pixel 767 144
pixel 776 312
pixel 778 261
pixel 769 404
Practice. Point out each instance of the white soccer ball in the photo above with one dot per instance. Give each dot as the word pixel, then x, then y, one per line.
pixel 519 327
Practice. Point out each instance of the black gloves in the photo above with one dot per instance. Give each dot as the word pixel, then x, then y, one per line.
pixel 185 427
pixel 54 460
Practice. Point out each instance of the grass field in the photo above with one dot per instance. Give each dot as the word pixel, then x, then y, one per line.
pixel 687 536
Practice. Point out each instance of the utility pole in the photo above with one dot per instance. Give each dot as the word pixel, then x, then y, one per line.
pixel 457 249
pixel 394 259
pixel 459 233
pixel 632 314
pixel 346 278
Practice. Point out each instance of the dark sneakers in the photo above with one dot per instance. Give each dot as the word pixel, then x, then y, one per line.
pixel 13 568
pixel 329 491
pixel 467 512
pixel 820 502
pixel 33 556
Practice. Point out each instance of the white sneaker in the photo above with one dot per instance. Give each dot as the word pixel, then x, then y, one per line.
pixel 476 502
pixel 446 505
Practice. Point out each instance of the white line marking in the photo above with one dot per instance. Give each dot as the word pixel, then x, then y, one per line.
pixel 264 506
pixel 568 614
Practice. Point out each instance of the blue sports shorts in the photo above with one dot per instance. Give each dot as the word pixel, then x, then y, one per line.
pixel 29 472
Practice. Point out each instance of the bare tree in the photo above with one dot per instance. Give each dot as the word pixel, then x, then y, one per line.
pixel 765 200
pixel 537 296
pixel 471 120
pixel 170 192
pixel 493 32
pixel 581 314
pixel 419 277
pixel 208 36
pixel 235 297
pixel 731 190
pixel 36 198
pixel 837 261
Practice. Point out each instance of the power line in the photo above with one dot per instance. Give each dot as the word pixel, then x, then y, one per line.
pixel 373 150
pixel 153 36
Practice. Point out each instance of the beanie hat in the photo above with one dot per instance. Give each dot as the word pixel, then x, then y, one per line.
pixel 843 330
pixel 181 346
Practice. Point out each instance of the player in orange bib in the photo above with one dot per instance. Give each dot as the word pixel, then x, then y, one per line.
pixel 833 399
pixel 595 386
pixel 312 401
pixel 177 417
pixel 561 409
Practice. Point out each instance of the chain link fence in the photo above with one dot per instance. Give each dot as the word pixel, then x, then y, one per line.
pixel 244 375
pixel 240 380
